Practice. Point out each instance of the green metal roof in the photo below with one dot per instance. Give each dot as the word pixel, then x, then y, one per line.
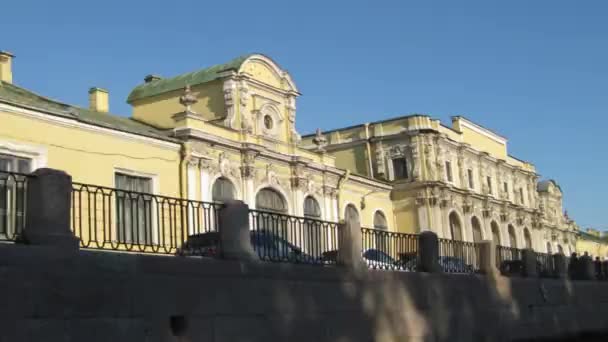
pixel 12 94
pixel 193 78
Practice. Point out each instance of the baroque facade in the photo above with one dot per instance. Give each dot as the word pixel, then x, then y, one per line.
pixel 229 131
pixel 458 181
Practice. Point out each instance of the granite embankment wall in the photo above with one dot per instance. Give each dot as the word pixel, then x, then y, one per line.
pixel 50 294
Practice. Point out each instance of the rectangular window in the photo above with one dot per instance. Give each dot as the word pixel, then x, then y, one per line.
pixel 133 209
pixel 489 180
pixel 471 182
pixel 506 189
pixel 521 195
pixel 448 171
pixel 12 194
pixel 400 168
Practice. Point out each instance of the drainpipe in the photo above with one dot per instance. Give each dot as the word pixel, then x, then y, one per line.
pixel 341 182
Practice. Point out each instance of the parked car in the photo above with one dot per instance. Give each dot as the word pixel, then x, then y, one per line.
pixel 448 264
pixel 377 259
pixel 265 244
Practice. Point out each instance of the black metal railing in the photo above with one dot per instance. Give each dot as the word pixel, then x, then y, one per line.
pixel 284 238
pixel 386 250
pixel 13 202
pixel 545 265
pixel 458 256
pixel 114 219
pixel 509 260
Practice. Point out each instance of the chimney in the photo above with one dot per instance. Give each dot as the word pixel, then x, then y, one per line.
pixel 6 70
pixel 99 100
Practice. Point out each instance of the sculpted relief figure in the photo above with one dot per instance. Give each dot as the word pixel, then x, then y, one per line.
pixel 229 97
pixel 296 138
pixel 430 167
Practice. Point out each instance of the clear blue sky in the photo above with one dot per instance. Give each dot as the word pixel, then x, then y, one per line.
pixel 534 71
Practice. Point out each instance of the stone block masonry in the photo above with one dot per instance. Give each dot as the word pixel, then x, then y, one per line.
pixel 50 295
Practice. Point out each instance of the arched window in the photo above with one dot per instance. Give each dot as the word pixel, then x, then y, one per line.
pixel 351 214
pixel 311 208
pixel 527 238
pixel 549 251
pixel 271 200
pixel 560 250
pixel 512 240
pixel 455 227
pixel 476 229
pixel 222 190
pixel 380 221
pixel 495 232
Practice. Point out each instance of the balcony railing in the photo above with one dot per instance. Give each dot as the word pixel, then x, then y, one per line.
pixel 114 219
pixel 389 250
pixel 458 256
pixel 284 238
pixel 13 202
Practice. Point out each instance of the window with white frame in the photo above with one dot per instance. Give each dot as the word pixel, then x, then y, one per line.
pixel 489 181
pixel 400 168
pixel 12 194
pixel 134 223
pixel 448 171
pixel 471 179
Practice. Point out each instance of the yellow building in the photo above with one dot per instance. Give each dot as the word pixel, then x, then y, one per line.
pixel 228 131
pixel 592 242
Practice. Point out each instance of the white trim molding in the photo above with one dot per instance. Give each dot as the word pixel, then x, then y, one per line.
pixel 36 153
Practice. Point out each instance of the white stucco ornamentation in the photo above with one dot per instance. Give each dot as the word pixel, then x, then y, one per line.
pixel 229 98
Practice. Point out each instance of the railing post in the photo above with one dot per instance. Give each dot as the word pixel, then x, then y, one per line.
pixel 586 268
pixel 349 245
pixel 235 237
pixel 528 258
pixel 559 264
pixel 48 210
pixel 428 247
pixel 487 257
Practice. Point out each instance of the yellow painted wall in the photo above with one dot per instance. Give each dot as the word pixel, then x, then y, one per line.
pixel 593 247
pixel 158 110
pixel 376 201
pixel 92 157
pixel 353 159
pixel 483 143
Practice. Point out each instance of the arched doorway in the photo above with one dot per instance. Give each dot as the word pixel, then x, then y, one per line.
pixel 269 199
pixel 495 233
pixel 476 226
pixel 351 214
pixel 455 227
pixel 382 240
pixel 527 238
pixel 312 208
pixel 380 221
pixel 269 222
pixel 223 190
pixel 512 239
pixel 312 229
